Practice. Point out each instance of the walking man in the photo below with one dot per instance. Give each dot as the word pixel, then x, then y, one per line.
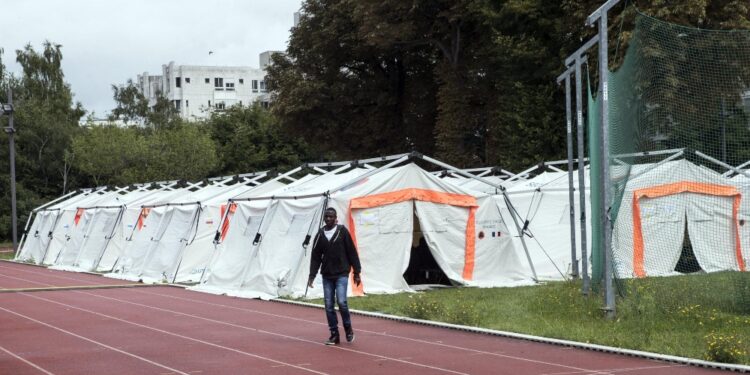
pixel 335 255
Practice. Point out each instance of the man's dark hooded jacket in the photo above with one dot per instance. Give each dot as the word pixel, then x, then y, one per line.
pixel 337 255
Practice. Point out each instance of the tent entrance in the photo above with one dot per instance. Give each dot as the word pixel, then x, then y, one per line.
pixel 423 268
pixel 687 263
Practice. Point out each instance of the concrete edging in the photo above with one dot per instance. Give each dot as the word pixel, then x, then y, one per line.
pixel 545 340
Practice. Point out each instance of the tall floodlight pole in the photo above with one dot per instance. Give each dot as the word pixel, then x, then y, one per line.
pixel 601 16
pixel 571 188
pixel 7 109
pixel 577 59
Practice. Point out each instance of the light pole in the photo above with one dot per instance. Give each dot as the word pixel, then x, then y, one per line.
pixel 7 109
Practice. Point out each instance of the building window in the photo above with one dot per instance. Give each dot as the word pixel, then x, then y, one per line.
pixel 220 106
pixel 187 79
pixel 178 82
pixel 230 86
pixel 255 85
pixel 177 105
pixel 187 102
pixel 242 81
pixel 263 86
pixel 208 80
pixel 209 102
pixel 219 83
pixel 240 103
pixel 264 105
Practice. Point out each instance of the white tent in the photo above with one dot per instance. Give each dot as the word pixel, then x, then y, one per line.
pixel 659 202
pixel 171 239
pixel 460 228
pixel 742 182
pixel 102 220
pixel 71 225
pixel 245 267
pixel 36 241
pixel 542 205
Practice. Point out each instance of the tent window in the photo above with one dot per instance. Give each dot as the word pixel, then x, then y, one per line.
pixel 253 225
pixel 687 263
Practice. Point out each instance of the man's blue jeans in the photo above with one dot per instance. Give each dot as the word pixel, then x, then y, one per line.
pixel 335 289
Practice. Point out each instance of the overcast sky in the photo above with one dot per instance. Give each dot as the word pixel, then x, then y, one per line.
pixel 107 42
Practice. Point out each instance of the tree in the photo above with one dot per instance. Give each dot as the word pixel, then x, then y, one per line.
pixel 248 139
pixel 111 155
pixel 346 94
pixel 45 119
pixel 134 107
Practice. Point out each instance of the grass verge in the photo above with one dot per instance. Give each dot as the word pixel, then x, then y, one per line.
pixel 4 253
pixel 697 316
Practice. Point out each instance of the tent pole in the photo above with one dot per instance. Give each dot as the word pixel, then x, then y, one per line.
pixel 519 230
pixel 256 247
pixel 721 163
pixel 505 196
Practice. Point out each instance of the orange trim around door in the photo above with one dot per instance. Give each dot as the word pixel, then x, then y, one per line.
pixel 676 188
pixel 422 195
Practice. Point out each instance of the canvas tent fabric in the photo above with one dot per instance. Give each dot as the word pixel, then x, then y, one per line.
pixel 742 182
pixel 664 200
pixel 100 223
pixel 45 222
pixel 172 242
pixel 247 268
pixel 380 211
pixel 544 202
pixel 69 223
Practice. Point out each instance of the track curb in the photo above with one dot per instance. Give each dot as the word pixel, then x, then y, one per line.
pixel 544 340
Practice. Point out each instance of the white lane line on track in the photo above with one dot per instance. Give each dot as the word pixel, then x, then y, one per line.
pixel 475 351
pixel 54 274
pixel 18 278
pixel 174 334
pixel 385 358
pixel 93 341
pixel 384 334
pixel 26 361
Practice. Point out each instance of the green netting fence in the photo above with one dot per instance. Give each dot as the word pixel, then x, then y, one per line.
pixel 681 219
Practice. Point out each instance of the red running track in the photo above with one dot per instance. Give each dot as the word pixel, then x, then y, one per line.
pixel 167 330
pixel 17 276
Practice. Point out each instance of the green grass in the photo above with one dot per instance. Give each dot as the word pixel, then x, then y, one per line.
pixel 6 246
pixel 697 316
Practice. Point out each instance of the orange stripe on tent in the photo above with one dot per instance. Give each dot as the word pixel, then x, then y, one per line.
pixel 470 246
pixel 142 217
pixel 676 188
pixel 422 195
pixel 357 290
pixel 79 213
pixel 225 224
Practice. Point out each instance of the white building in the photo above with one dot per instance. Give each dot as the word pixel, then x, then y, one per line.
pixel 195 90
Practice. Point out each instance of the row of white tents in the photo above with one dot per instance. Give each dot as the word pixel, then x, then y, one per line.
pixel 252 237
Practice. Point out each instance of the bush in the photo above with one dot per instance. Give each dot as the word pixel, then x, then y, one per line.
pixel 724 348
pixel 422 307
